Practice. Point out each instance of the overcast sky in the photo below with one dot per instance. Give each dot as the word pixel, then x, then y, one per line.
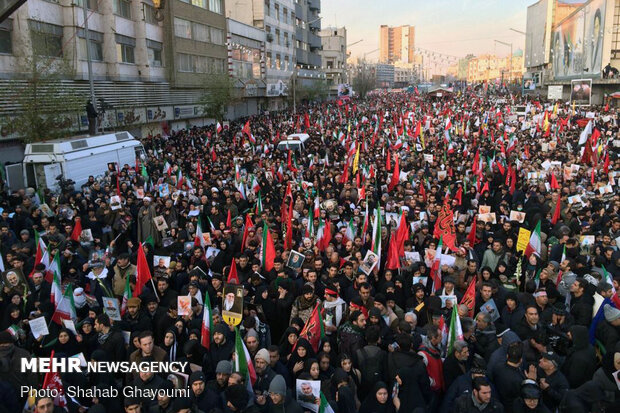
pixel 453 27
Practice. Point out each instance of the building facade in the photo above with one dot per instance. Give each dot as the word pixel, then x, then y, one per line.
pixel 385 75
pixel 148 67
pixel 492 68
pixel 308 43
pixel 334 56
pixel 396 44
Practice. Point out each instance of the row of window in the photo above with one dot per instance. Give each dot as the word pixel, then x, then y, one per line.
pixel 123 7
pixel 216 6
pixel 196 31
pixel 189 63
pixel 283 17
pixel 280 63
pixel 281 39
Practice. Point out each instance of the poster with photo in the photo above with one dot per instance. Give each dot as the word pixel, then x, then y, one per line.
pixel 161 261
pixel 115 202
pixel 295 260
pixel 160 223
pixel 368 264
pixel 184 305
pixel 446 298
pixel 232 304
pixel 112 308
pixel 86 235
pixel 308 394
pixel 517 216
pixel 491 308
pixel 581 91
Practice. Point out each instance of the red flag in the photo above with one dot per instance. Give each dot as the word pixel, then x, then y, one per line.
pixel 228 220
pixel 306 120
pixel 246 228
pixel 469 299
pixel 472 234
pixel 53 383
pixel 459 195
pixel 554 182
pixel 556 213
pixel 246 129
pixel 313 330
pixel 213 155
pixel 393 262
pixel 586 158
pixel 444 227
pixel 388 162
pixel 395 175
pixel 513 180
pixel 422 190
pixel 402 235
pixel 233 278
pixel 288 240
pixel 485 187
pixel 269 251
pixel 143 272
pixel 606 164
pixel 77 229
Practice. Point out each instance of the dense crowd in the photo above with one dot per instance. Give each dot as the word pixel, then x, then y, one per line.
pixel 493 287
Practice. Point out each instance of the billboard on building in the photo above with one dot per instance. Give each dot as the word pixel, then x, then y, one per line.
pixel 577 47
pixel 581 91
pixel 538 32
pixel 344 90
pixel 554 92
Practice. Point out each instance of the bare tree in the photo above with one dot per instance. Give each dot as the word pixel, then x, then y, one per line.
pixel 364 80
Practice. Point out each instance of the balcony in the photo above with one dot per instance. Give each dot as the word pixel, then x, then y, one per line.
pixel 315 24
pixel 314 41
pixel 314 5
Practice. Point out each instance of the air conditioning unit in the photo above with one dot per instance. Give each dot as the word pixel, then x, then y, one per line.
pixel 269 37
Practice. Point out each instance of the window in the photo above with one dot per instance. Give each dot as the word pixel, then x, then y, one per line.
pixel 278 61
pixel 149 14
pixel 285 15
pixel 46 38
pixel 182 28
pixel 200 32
pixel 95 45
pixel 200 64
pixel 215 6
pixel 286 64
pixel 184 62
pixel 286 43
pixel 154 53
pixel 267 8
pixel 200 3
pixel 122 8
pixel 217 36
pixel 218 66
pixel 90 4
pixel 277 11
pixel 125 49
pixel 268 59
pixel 278 37
pixel 6 45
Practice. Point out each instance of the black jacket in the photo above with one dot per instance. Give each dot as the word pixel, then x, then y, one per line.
pixel 581 309
pixel 114 346
pixel 508 380
pixel 558 385
pixel 580 364
pixel 452 369
pixel 465 404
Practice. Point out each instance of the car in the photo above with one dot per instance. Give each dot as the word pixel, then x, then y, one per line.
pixel 294 142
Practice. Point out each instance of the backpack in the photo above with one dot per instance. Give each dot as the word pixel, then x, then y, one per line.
pixel 372 368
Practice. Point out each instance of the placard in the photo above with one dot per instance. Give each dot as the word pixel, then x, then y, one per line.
pixel 490 308
pixel 70 325
pixel 184 305
pixel 517 216
pixel 523 239
pixel 111 308
pixel 38 326
pixel 232 304
pixel 295 260
pixel 309 394
pixel 370 261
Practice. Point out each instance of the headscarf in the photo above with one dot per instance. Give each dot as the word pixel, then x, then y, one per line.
pixel 171 350
pixel 372 405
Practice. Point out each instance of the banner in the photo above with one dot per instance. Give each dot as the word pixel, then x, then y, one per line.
pixel 524 238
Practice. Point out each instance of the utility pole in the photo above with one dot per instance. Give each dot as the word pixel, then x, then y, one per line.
pixel 88 57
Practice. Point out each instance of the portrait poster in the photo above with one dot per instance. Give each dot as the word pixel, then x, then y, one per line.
pixel 232 304
pixel 368 264
pixel 14 280
pixel 161 261
pixel 184 305
pixel 295 260
pixel 160 223
pixel 581 92
pixel 484 209
pixel 46 210
pixel 86 235
pixel 115 202
pixel 517 216
pixel 308 394
pixel 446 298
pixel 112 308
pixel 491 308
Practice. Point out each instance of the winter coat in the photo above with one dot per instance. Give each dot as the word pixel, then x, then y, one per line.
pixel 508 380
pixel 499 356
pixel 465 404
pixel 558 385
pixel 580 362
pixel 416 390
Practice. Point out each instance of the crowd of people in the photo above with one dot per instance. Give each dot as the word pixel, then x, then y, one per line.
pixel 399 219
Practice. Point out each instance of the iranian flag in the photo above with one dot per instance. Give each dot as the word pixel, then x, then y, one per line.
pixel 53 382
pixel 218 128
pixel 207 323
pixel 179 178
pixel 54 267
pixel 317 207
pixel 126 295
pixel 77 229
pixel 323 234
pixel 310 226
pixel 535 243
pixel 199 240
pixel 349 234
pixel 246 227
pixel 259 204
pixel 64 307
pixel 243 362
pixel 268 250
pixel 365 226
pixel 41 254
pixel 325 407
pixel 455 332
pixel 376 233
pixel 436 267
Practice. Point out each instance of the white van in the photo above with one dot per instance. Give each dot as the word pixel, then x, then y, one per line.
pixel 77 158
pixel 294 142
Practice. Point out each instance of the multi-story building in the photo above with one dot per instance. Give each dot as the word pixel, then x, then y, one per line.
pixel 148 71
pixel 384 75
pixel 405 74
pixel 308 42
pixel 494 68
pixel 334 56
pixel 396 44
pixel 276 18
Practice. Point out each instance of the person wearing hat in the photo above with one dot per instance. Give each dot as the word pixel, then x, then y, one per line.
pixel 333 307
pixel 530 399
pixel 134 320
pixel 264 374
pixel 146 222
pixel 280 399
pixel 305 303
pixel 221 348
pixel 222 373
pixel 608 330
pixel 123 269
pixel 552 381
pixel 202 397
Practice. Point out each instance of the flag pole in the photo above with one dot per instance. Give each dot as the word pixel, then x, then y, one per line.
pixel 154 290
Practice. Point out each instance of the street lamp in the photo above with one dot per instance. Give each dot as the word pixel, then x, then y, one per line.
pixel 510 61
